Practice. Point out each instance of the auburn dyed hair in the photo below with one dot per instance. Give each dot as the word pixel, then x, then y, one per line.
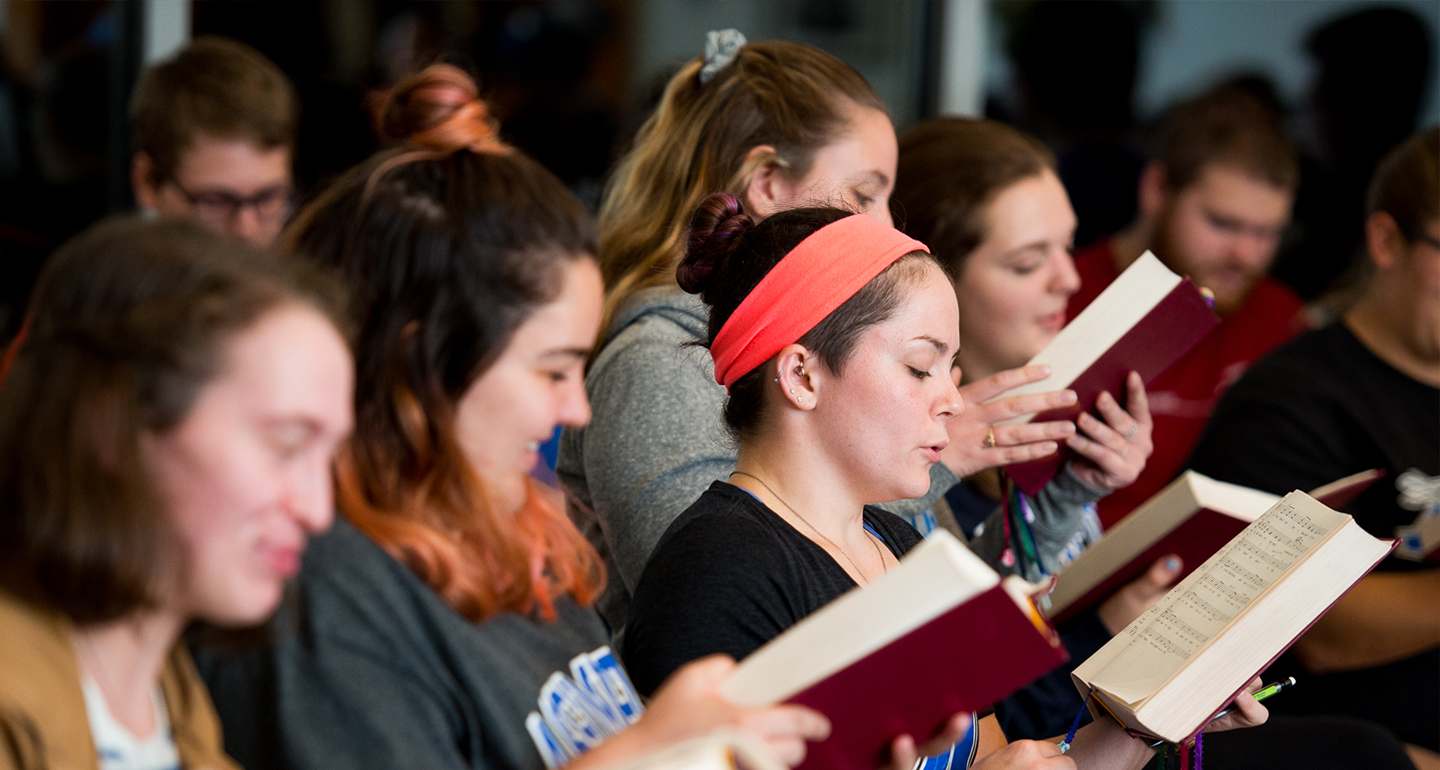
pixel 447 244
pixel 789 96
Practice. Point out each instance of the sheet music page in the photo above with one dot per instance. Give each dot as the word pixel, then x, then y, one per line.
pixel 1178 625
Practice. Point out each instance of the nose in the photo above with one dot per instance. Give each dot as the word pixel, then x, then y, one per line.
pixel 574 408
pixel 310 499
pixel 1066 278
pixel 1254 249
pixel 245 224
pixel 951 403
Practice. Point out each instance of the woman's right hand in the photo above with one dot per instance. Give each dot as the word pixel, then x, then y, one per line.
pixel 689 703
pixel 904 752
pixel 969 451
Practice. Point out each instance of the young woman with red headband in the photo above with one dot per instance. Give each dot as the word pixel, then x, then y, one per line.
pixel 778 125
pixel 445 621
pixel 834 336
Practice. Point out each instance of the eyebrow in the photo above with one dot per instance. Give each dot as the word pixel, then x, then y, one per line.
pixel 940 345
pixel 879 177
pixel 581 353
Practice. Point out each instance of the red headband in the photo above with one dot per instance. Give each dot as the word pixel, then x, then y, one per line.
pixel 808 284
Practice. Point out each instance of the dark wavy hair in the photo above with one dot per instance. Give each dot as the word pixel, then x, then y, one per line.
pixel 128 323
pixel 448 244
pixel 727 254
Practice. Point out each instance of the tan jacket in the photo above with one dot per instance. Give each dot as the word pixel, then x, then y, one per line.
pixel 42 710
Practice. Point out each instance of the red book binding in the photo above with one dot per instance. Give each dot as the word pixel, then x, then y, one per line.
pixel 965 660
pixel 1170 330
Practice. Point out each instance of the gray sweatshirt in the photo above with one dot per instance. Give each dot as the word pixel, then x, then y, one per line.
pixel 657 440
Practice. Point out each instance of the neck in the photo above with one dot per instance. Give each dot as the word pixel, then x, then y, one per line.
pixel 1407 341
pixel 822 498
pixel 124 658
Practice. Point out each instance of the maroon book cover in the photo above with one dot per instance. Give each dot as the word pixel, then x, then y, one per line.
pixel 1194 541
pixel 1169 331
pixel 965 660
pixel 1197 539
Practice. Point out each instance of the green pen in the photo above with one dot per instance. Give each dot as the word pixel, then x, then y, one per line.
pixel 1262 693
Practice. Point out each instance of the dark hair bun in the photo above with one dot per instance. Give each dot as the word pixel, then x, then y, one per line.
pixel 716 225
pixel 439 108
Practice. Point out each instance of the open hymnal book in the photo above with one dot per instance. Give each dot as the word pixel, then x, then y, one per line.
pixel 1191 518
pixel 1178 664
pixel 938 635
pixel 724 749
pixel 1144 321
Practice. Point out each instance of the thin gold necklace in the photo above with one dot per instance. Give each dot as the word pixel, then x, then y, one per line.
pixel 883 566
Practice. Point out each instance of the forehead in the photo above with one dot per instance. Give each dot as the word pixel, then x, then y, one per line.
pixel 235 163
pixel 1230 191
pixel 927 310
pixel 289 363
pixel 1034 208
pixel 866 144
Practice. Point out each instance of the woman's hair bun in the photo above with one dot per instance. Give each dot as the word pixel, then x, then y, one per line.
pixel 439 108
pixel 714 229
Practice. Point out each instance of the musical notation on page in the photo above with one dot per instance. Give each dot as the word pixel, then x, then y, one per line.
pixel 1181 623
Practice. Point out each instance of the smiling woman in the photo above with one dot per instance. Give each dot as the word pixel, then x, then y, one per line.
pixel 166 434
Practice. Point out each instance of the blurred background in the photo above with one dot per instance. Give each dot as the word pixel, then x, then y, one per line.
pixel 573 79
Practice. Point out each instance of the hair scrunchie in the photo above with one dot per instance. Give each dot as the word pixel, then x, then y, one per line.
pixel 720 49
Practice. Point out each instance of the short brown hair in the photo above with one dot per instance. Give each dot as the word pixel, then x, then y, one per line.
pixel 128 323
pixel 1407 183
pixel 1229 125
pixel 216 86
pixel 950 170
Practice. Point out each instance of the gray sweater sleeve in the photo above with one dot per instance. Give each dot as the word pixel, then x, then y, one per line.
pixel 656 441
pixel 1058 509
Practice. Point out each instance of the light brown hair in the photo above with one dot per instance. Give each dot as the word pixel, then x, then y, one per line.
pixel 129 322
pixel 786 95
pixel 218 87
pixel 950 170
pixel 1406 184
pixel 1227 125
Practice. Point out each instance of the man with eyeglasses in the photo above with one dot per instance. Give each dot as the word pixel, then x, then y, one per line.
pixel 214 130
pixel 1213 201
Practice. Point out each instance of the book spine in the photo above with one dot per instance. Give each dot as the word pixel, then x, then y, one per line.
pixel 1170 330
pixel 965 660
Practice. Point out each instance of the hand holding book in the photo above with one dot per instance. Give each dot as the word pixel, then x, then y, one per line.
pixel 986 406
pixel 1112 452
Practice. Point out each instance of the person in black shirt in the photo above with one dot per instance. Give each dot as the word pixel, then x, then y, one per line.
pixel 835 337
pixel 1362 393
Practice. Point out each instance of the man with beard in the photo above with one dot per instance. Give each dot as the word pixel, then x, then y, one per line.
pixel 1214 200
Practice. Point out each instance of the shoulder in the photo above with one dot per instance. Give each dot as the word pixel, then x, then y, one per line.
pixel 1273 312
pixel 195 726
pixel 1303 364
pixel 42 710
pixel 723 523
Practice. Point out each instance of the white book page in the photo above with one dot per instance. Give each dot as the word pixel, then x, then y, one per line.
pixel 1153 648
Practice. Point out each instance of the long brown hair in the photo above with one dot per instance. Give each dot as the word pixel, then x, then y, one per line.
pixel 128 323
pixel 448 244
pixel 786 95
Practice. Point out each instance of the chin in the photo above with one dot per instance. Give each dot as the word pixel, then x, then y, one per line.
pixel 250 606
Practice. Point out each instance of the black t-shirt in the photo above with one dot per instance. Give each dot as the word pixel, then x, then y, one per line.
pixel 1318 409
pixel 728 576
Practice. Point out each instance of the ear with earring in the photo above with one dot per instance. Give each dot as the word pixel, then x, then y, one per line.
pixel 798 399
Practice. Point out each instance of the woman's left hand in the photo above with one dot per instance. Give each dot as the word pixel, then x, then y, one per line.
pixel 1248 711
pixel 1113 453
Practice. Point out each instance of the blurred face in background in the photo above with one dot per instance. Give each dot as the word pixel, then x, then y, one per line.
pixel 1222 230
pixel 247 472
pixel 538 382
pixel 1013 288
pixel 232 186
